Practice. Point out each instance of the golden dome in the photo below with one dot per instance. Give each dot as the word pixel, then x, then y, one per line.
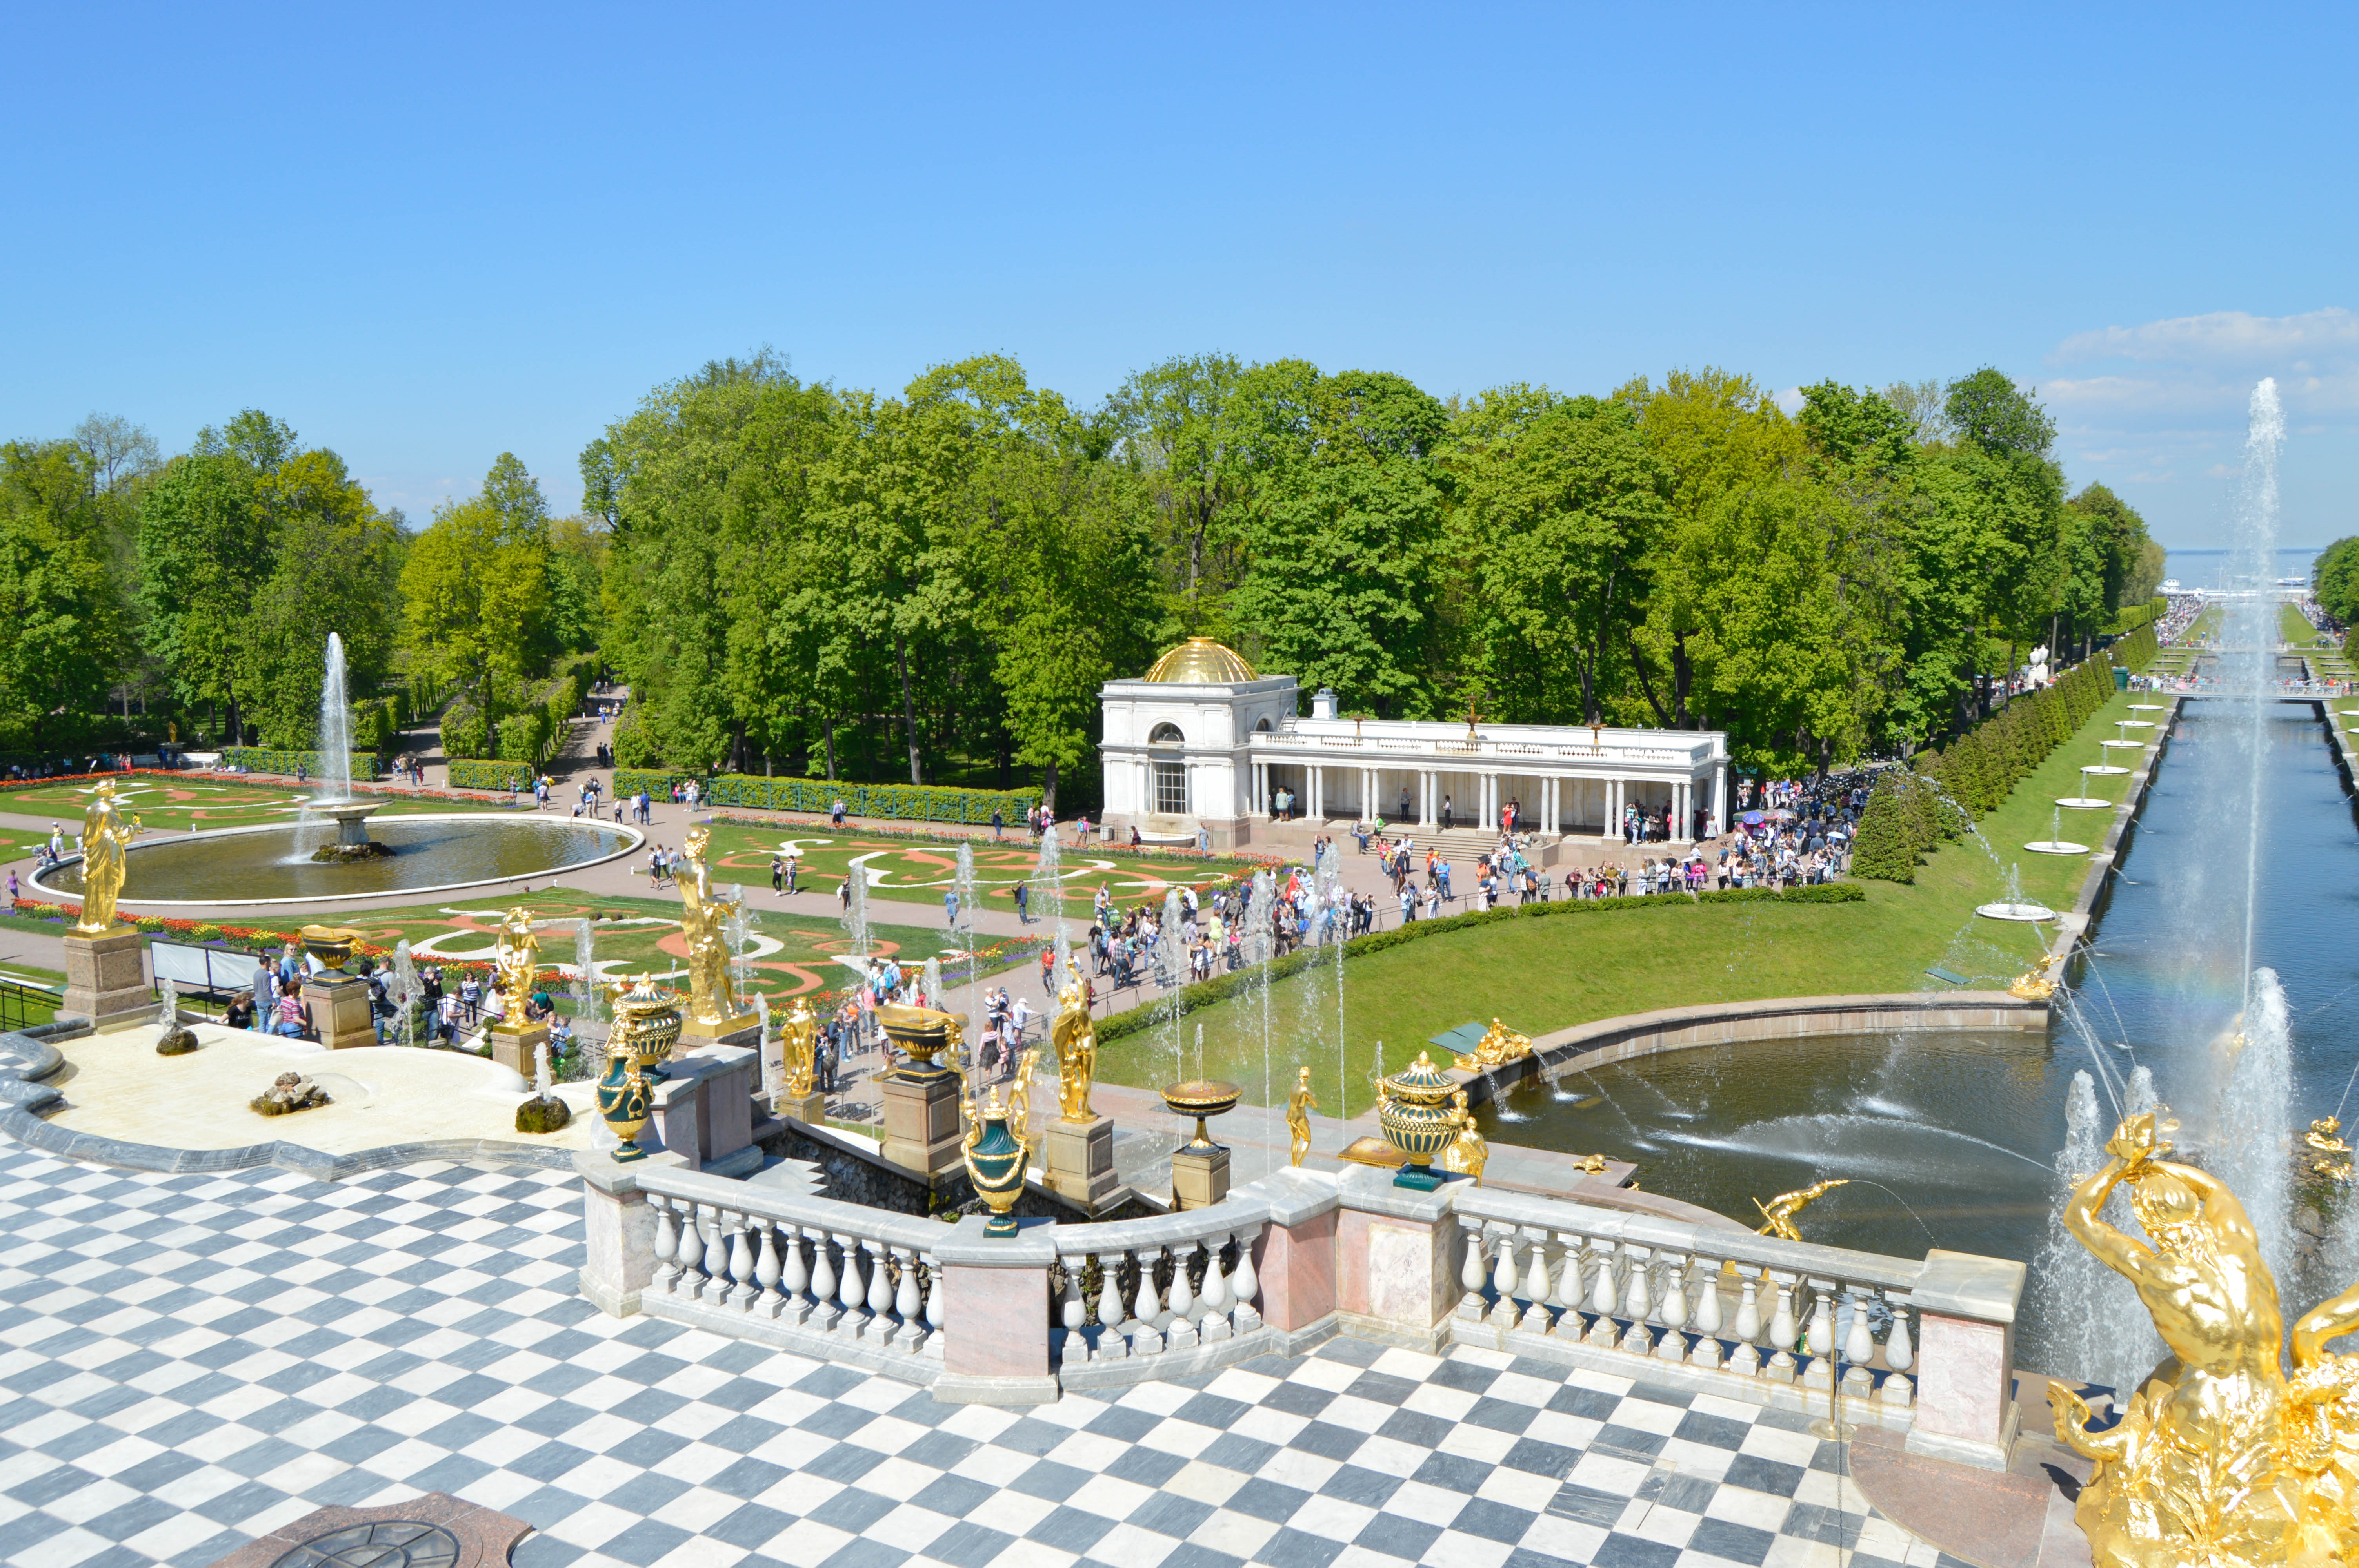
pixel 1200 661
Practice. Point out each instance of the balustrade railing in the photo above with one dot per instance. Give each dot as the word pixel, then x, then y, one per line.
pixel 859 1280
pixel 1146 1290
pixel 1729 1302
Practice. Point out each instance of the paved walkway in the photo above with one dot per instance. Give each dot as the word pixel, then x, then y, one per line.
pixel 193 1361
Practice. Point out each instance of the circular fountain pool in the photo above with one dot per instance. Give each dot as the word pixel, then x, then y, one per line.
pixel 430 854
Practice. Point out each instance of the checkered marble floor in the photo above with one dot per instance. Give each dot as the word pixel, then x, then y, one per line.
pixel 188 1362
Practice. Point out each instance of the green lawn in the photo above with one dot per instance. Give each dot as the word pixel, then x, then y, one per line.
pixel 1542 975
pixel 195 801
pixel 917 872
pixel 2296 629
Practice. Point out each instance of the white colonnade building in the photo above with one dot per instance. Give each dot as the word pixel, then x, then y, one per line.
pixel 1201 741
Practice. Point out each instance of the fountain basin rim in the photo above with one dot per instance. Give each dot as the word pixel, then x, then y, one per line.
pixel 634 836
pixel 2084 803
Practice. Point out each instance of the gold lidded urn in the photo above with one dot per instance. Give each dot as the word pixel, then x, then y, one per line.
pixel 922 1033
pixel 1413 1108
pixel 332 945
pixel 1203 1097
pixel 645 1028
pixel 996 1156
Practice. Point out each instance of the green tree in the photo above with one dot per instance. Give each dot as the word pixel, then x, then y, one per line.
pixel 474 589
pixel 61 619
pixel 205 540
pixel 2334 578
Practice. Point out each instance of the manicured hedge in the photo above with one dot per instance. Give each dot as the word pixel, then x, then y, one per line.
pixel 1220 987
pixel 905 803
pixel 466 774
pixel 267 759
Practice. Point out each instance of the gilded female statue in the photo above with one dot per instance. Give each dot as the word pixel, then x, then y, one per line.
pixel 1298 1107
pixel 517 955
pixel 105 833
pixel 1077 1055
pixel 800 1042
pixel 712 990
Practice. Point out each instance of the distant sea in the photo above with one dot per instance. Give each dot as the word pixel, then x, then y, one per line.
pixel 2209 569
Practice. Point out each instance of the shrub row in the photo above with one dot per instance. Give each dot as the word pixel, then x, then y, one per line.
pixel 1220 987
pixel 268 760
pixel 2133 616
pixel 903 802
pixel 476 774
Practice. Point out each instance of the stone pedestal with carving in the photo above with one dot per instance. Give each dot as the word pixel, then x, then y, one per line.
pixel 921 1121
pixel 811 1109
pixel 514 1048
pixel 1080 1157
pixel 106 981
pixel 1199 1176
pixel 339 1005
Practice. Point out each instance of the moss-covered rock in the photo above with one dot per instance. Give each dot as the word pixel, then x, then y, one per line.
pixel 549 1115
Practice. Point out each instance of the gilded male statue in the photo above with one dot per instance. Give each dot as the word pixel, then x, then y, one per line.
pixel 1077 1055
pixel 800 1042
pixel 2195 1471
pixel 1298 1107
pixel 711 989
pixel 105 833
pixel 515 956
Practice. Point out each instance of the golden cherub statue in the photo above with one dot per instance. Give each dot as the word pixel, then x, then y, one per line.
pixel 1019 1093
pixel 1467 1152
pixel 2331 1158
pixel 1498 1046
pixel 2038 984
pixel 1781 1210
pixel 515 956
pixel 2218 1458
pixel 1298 1107
pixel 800 1042
pixel 1077 1055
pixel 105 833
pixel 712 990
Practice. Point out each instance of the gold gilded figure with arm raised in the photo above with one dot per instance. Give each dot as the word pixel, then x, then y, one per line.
pixel 800 1042
pixel 1077 1055
pixel 515 956
pixel 711 992
pixel 2216 1460
pixel 105 833
pixel 1298 1107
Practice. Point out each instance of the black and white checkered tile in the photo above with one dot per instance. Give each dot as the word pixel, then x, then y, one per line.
pixel 188 1362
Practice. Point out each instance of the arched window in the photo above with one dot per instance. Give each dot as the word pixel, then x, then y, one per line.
pixel 1166 735
pixel 1168 776
pixel 1262 727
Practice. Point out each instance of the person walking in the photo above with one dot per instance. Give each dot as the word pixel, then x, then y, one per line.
pixel 1023 904
pixel 778 875
pixel 998 822
pixel 835 814
pixel 950 909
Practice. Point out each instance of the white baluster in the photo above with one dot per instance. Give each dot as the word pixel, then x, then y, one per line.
pixel 1859 1344
pixel 1182 1300
pixel 1819 1335
pixel 1638 1302
pixel 1212 1302
pixel 795 1278
pixel 668 1266
pixel 1603 1301
pixel 824 1310
pixel 1536 1287
pixel 1566 1296
pixel 1244 1284
pixel 850 1291
pixel 1505 1314
pixel 1146 1307
pixel 767 1271
pixel 880 1326
pixel 1898 1353
pixel 716 1226
pixel 1782 1331
pixel 1748 1356
pixel 690 1253
pixel 907 1301
pixel 741 1263
pixel 1070 1305
pixel 934 1304
pixel 1110 1346
pixel 1673 1345
pixel 1471 1269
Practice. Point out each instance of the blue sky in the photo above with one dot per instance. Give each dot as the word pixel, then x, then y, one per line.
pixel 424 235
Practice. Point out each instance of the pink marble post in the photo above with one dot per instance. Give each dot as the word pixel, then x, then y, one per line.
pixel 1393 1272
pixel 1965 1407
pixel 1296 1267
pixel 995 1321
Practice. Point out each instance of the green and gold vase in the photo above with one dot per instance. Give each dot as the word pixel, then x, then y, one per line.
pixel 997 1160
pixel 624 1102
pixel 1415 1112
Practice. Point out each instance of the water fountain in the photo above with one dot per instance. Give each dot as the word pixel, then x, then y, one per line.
pixel 2087 800
pixel 585 975
pixel 2055 843
pixel 855 908
pixel 407 994
pixel 335 799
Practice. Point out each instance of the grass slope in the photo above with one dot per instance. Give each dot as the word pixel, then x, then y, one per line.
pixel 1546 974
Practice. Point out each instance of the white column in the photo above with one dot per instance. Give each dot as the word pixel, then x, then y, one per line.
pixel 1720 799
pixel 1679 812
pixel 1317 794
pixel 1425 803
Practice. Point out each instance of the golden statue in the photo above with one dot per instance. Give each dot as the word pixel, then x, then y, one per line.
pixel 1594 1166
pixel 2218 1458
pixel 1077 1055
pixel 2332 1159
pixel 800 1041
pixel 2038 984
pixel 1019 1093
pixel 1298 1107
pixel 515 956
pixel 1467 1151
pixel 1499 1045
pixel 1781 1210
pixel 712 990
pixel 105 833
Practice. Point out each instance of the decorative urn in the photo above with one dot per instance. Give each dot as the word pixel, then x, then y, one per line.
pixel 332 945
pixel 1200 1099
pixel 997 1160
pixel 922 1033
pixel 1415 1112
pixel 645 1028
pixel 624 1098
